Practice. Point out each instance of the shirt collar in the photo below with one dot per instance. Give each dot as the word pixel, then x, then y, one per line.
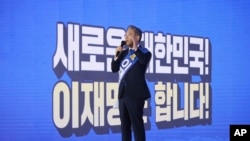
pixel 138 45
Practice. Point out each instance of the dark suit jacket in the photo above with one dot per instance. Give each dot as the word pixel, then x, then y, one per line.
pixel 133 84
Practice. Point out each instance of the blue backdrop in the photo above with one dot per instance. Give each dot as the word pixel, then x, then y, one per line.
pixel 28 42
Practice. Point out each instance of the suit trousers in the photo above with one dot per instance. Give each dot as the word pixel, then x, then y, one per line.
pixel 131 116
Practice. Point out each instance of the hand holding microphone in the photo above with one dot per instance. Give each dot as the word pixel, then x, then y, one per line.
pixel 120 48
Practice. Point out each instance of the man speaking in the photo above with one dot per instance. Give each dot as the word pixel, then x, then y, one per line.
pixel 133 90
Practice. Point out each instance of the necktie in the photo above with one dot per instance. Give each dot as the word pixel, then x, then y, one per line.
pixel 131 51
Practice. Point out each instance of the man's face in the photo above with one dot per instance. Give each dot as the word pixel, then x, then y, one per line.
pixel 130 36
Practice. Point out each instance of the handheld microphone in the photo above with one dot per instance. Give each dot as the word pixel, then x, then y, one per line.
pixel 122 44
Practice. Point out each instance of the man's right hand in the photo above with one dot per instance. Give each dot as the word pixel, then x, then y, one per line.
pixel 118 51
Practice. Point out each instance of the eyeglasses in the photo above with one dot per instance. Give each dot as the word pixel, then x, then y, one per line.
pixel 130 34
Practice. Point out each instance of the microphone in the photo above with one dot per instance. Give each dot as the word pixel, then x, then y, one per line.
pixel 122 44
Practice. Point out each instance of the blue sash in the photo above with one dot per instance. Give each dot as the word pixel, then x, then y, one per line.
pixel 128 62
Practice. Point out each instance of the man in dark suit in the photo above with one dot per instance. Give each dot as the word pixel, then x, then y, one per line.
pixel 133 90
